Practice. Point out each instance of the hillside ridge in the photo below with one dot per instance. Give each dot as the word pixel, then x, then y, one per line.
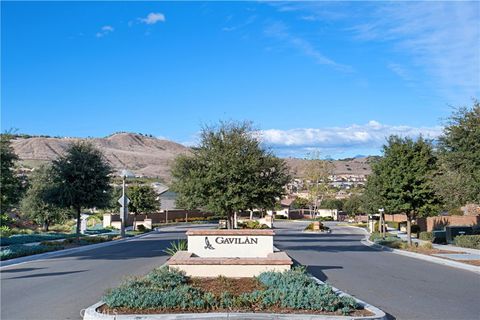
pixel 146 155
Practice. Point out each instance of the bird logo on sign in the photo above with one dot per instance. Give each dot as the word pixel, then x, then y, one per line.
pixel 208 245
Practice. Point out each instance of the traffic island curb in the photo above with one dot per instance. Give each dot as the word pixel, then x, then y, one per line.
pixel 91 313
pixel 449 263
pixel 58 253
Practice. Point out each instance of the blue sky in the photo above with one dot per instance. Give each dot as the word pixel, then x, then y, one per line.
pixel 332 76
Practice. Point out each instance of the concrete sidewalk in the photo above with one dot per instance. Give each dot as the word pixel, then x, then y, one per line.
pixel 458 253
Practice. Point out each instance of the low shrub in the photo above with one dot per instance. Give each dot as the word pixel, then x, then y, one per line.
pixel 21 231
pixel 324 218
pixel 97 231
pixel 22 239
pixel 5 231
pixel 169 289
pixel 6 220
pixel 280 217
pixel 321 227
pixel 427 245
pixel 376 236
pixel 252 224
pixel 394 244
pixel 180 245
pixel 142 228
pixel 426 236
pixel 18 250
pixel 468 241
pixel 83 241
pixel 210 218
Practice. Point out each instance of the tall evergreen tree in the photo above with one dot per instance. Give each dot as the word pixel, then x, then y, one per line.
pixel 35 204
pixel 458 181
pixel 10 184
pixel 228 172
pixel 402 179
pixel 143 199
pixel 81 179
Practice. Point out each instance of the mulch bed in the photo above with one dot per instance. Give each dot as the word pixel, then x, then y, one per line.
pixel 472 262
pixel 235 286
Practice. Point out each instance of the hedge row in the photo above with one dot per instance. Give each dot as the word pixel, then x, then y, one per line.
pixel 468 241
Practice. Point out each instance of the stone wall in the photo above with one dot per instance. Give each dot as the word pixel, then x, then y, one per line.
pixel 158 217
pixel 440 222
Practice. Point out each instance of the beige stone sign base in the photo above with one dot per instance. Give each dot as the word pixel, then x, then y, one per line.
pixel 195 266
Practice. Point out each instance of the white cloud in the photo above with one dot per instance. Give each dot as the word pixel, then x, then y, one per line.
pixel 153 18
pixel 341 140
pixel 280 31
pixel 441 38
pixel 436 39
pixel 105 30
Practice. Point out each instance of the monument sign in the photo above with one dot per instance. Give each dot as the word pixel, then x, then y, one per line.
pixel 230 253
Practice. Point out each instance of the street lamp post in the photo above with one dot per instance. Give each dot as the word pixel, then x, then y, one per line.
pixel 382 222
pixel 124 202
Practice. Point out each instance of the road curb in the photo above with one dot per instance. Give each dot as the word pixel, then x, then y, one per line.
pixel 445 262
pixel 58 253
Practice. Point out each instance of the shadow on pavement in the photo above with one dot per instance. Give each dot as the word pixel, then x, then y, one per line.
pixel 48 274
pixel 20 270
pixel 317 271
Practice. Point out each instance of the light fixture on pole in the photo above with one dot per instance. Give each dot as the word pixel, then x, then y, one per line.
pixel 124 202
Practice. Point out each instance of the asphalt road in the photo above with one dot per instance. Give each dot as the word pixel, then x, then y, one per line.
pixel 59 288
pixel 406 288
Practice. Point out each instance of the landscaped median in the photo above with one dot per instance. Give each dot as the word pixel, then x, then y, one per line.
pixel 28 245
pixel 169 294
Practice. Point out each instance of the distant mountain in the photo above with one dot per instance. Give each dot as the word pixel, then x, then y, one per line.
pixel 146 155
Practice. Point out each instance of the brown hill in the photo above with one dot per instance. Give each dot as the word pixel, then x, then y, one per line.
pixel 352 166
pixel 147 156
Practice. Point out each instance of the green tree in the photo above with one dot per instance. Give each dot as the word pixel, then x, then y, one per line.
pixel 10 184
pixel 371 199
pixel 81 179
pixel 35 205
pixel 332 203
pixel 403 178
pixel 353 205
pixel 143 199
pixel 300 203
pixel 458 181
pixel 228 172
